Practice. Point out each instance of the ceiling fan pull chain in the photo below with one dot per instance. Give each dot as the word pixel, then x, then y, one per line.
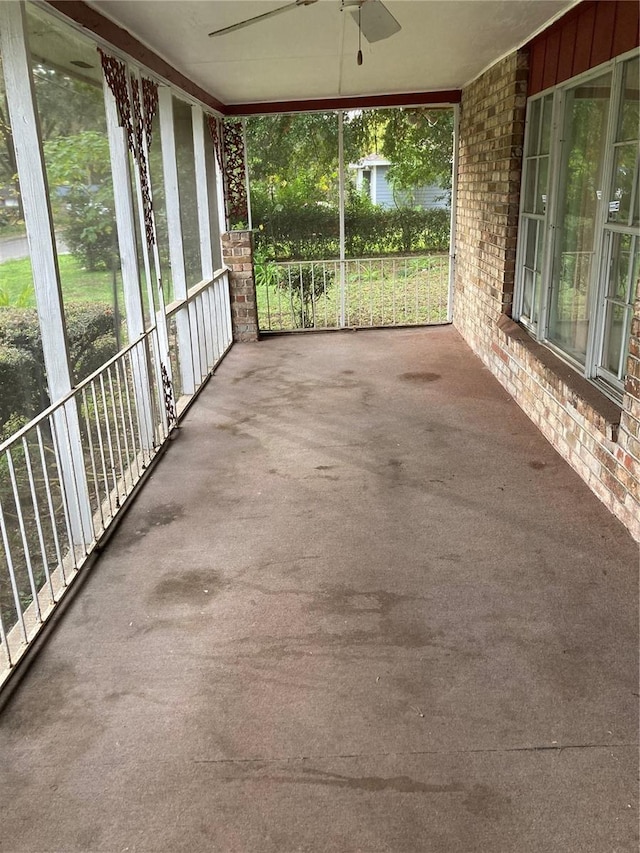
pixel 359 58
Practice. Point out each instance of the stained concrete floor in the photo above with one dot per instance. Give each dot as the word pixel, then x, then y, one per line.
pixel 361 605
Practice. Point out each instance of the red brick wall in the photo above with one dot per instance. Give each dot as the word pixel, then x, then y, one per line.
pixel 237 255
pixel 489 167
pixel 601 442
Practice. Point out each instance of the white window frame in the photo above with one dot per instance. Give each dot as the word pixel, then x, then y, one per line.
pixel 592 369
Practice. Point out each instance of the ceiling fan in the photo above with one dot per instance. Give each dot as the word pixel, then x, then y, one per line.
pixel 375 21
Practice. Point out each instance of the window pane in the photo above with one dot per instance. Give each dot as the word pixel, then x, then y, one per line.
pixel 586 113
pixel 531 277
pixel 530 186
pixel 541 194
pixel 615 324
pixel 527 293
pixel 545 136
pixel 534 127
pixel 68 85
pixel 619 280
pixel 630 113
pixel 624 169
pixel 183 128
pixel 624 270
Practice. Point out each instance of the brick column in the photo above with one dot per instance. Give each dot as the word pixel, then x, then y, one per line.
pixel 237 255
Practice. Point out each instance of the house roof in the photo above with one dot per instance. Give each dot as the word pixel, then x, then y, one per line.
pixel 309 52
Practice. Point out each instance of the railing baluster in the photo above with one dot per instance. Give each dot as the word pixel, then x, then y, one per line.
pixel 123 427
pixel 63 496
pixel 370 281
pixel 302 305
pixel 12 575
pixel 23 535
pixel 4 641
pixel 313 295
pixel 112 464
pixel 266 291
pixel 94 473
pixel 103 460
pixel 74 477
pixel 134 446
pixel 116 428
pixel 36 513
pixel 52 517
pixel 217 316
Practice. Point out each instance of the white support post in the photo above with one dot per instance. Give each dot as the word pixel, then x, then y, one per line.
pixel 343 282
pixel 129 262
pixel 204 227
pixel 174 225
pixel 46 277
pixel 454 207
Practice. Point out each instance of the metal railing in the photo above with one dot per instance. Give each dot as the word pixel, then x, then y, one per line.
pixel 360 292
pixel 200 333
pixel 65 475
pixel 63 478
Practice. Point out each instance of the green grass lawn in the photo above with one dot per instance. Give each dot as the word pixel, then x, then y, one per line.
pixel 78 284
pixel 379 292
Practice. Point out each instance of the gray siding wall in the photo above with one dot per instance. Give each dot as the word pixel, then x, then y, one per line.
pixel 427 197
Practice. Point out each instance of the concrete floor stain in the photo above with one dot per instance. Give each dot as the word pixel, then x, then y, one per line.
pixel 187 587
pixel 421 377
pixel 139 525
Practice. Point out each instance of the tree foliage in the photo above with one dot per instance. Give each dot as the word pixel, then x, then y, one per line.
pixel 293 167
pixel 79 172
pixel 417 141
pixel 295 157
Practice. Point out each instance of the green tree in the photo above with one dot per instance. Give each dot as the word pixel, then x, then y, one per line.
pixel 418 142
pixel 79 173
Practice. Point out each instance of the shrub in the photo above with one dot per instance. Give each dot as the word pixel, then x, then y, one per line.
pixel 304 286
pixel 20 384
pixel 23 388
pixel 311 232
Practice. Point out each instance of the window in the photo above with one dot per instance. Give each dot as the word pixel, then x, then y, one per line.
pixel 578 259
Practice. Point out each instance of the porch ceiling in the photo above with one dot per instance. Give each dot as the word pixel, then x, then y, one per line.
pixel 310 52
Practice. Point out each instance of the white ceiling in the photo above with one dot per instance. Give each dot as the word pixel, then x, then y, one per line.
pixel 310 51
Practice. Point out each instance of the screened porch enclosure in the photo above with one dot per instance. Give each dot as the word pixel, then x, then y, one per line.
pixel 333 250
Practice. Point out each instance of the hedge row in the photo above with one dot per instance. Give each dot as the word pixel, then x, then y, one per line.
pixel 23 385
pixel 311 232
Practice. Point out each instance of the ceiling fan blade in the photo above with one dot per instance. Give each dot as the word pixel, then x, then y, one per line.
pixel 241 24
pixel 376 21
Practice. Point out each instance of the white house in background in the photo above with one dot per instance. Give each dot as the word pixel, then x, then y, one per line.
pixel 371 177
